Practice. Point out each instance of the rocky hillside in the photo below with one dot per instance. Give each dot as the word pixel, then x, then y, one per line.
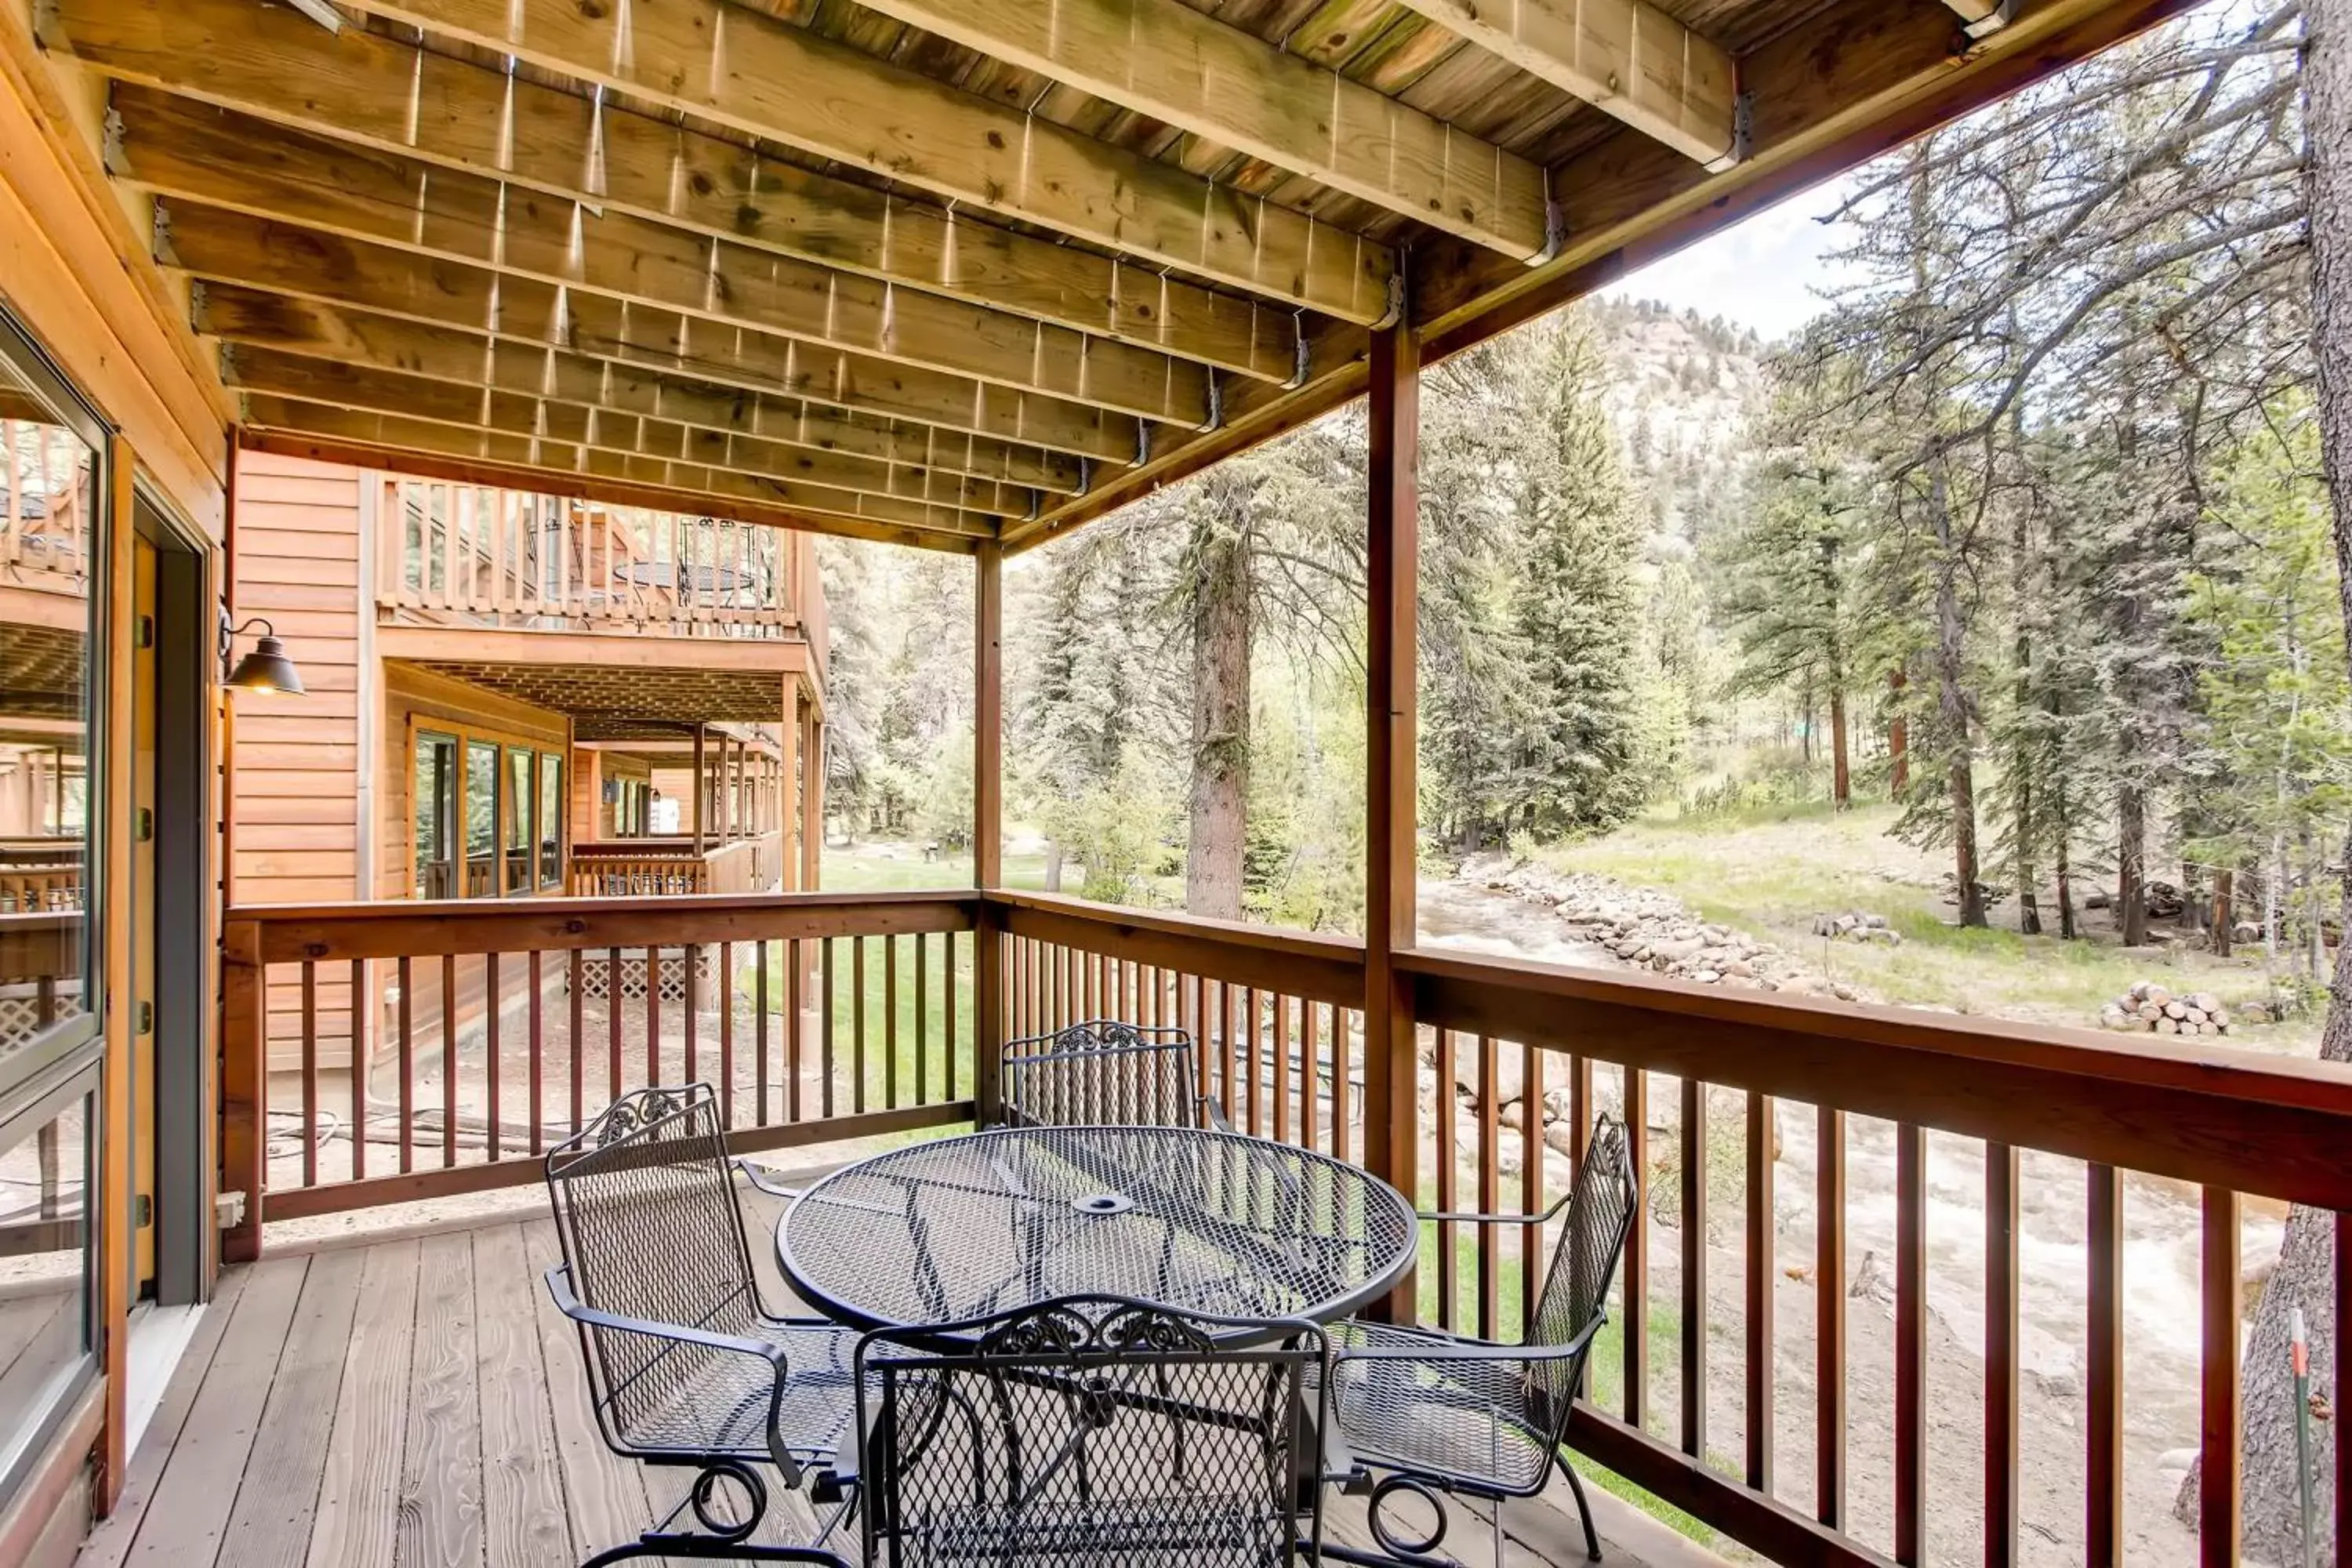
pixel 1681 388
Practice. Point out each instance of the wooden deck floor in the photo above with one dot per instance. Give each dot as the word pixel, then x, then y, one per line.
pixel 417 1402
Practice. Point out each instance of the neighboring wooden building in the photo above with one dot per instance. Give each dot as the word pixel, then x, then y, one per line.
pixel 511 695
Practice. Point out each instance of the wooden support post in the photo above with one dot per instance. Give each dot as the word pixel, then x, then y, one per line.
pixel 700 789
pixel 787 782
pixel 987 818
pixel 812 808
pixel 1391 1097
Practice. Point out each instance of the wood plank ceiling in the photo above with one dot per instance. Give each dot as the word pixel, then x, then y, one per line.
pixel 942 272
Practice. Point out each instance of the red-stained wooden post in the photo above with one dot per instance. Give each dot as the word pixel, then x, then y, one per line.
pixel 1391 1085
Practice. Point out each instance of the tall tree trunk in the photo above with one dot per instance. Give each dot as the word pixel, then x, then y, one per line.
pixel 2065 870
pixel 2225 886
pixel 1220 711
pixel 1053 865
pixel 1898 739
pixel 1952 702
pixel 2131 864
pixel 1841 767
pixel 2305 1275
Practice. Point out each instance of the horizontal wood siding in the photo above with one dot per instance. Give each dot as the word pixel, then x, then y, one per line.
pixel 295 772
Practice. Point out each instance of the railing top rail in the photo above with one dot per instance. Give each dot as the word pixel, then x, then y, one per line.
pixel 285 934
pixel 1317 966
pixel 2271 1125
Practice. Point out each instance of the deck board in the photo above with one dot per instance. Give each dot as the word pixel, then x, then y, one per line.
pixel 358 1521
pixel 270 1526
pixel 441 1466
pixel 419 1402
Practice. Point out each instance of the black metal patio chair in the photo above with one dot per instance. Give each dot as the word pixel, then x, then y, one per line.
pixel 686 1364
pixel 1106 1073
pixel 1092 1432
pixel 1432 1413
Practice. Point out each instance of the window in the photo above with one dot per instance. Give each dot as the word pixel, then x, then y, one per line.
pixel 550 819
pixel 521 796
pixel 481 819
pixel 435 801
pixel 55 527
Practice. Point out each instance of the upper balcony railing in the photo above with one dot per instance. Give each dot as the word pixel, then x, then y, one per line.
pixel 822 1016
pixel 469 555
pixel 637 867
pixel 44 510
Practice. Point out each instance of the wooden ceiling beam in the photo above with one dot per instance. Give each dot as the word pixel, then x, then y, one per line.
pixel 1625 58
pixel 272 373
pixel 560 465
pixel 214 243
pixel 756 74
pixel 1163 58
pixel 277 323
pixel 389 94
pixel 175 147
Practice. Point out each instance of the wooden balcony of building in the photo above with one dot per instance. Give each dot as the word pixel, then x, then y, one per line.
pixel 1751 1390
pixel 612 868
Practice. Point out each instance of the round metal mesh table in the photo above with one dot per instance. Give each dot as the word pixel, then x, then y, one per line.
pixel 1205 1222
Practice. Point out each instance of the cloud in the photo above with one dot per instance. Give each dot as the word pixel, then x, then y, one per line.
pixel 1765 272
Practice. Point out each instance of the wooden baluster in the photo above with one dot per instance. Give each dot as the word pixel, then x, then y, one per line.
pixel 1226 1050
pixel 1251 1079
pixel 1343 1089
pixel 2343 1367
pixel 1829 1317
pixel 364 1011
pixel 1910 1343
pixel 653 1015
pixel 1310 1078
pixel 1531 1180
pixel 760 1036
pixel 858 1023
pixel 922 1019
pixel 576 974
pixel 490 1047
pixel 1281 1068
pixel 1758 1271
pixel 949 992
pixel 890 1023
pixel 534 977
pixel 1490 1187
pixel 795 968
pixel 692 954
pixel 1636 1354
pixel 405 1058
pixel 726 978
pixel 2103 1381
pixel 310 1073
pixel 1448 1155
pixel 448 1059
pixel 2001 1356
pixel 2220 1268
pixel 613 1025
pixel 825 1030
pixel 1694 1259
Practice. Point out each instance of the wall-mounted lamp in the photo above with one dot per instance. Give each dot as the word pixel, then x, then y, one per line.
pixel 266 670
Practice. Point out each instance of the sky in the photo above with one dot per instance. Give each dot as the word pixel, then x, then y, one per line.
pixel 1765 272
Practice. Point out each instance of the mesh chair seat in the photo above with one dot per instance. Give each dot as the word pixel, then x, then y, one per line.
pixel 721 1404
pixel 1460 1419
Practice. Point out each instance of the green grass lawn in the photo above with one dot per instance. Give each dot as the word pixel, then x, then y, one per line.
pixel 1768 874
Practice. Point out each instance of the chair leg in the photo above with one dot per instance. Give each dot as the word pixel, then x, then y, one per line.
pixel 1495 1519
pixel 723 1551
pixel 1583 1511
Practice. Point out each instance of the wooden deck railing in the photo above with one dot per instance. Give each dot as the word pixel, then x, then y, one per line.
pixel 865 1015
pixel 640 867
pixel 474 555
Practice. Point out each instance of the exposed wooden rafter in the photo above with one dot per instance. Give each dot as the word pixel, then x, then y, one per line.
pixel 175 148
pixel 279 325
pixel 215 243
pixel 384 93
pixel 557 462
pixel 746 69
pixel 1625 58
pixel 1163 58
pixel 280 374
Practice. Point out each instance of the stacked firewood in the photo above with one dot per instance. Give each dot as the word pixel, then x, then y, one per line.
pixel 2149 1008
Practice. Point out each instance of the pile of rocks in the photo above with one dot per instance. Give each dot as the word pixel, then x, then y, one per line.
pixel 1651 930
pixel 1857 925
pixel 2149 1008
